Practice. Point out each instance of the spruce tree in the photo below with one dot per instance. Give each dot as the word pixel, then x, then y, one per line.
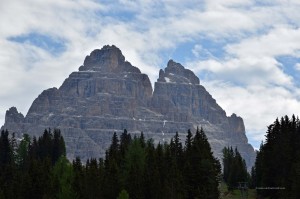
pixel 62 177
pixel 277 162
pixel 135 160
pixel 202 170
pixel 234 168
pixel 79 179
pixel 153 184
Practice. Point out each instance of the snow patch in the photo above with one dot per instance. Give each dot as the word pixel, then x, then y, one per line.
pixel 167 79
pixel 164 123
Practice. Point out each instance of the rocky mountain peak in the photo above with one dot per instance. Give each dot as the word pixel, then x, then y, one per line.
pixel 176 73
pixel 13 119
pixel 12 114
pixel 108 59
pixel 109 95
pixel 174 65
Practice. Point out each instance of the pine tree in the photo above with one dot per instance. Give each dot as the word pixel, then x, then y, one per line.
pixel 174 164
pixel 22 159
pixel 113 151
pixel 152 176
pixel 202 170
pixel 93 180
pixel 5 150
pixel 234 168
pixel 189 140
pixel 277 162
pixel 62 177
pixel 228 156
pixel 59 148
pixel 125 140
pixel 135 160
pixel 112 180
pixel 7 168
pixel 79 179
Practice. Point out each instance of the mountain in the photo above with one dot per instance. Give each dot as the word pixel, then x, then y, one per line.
pixel 109 95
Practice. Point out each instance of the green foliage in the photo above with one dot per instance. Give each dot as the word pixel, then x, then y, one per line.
pixel 236 194
pixel 93 179
pixel 6 153
pixel 123 195
pixel 234 168
pixel 7 165
pixel 26 167
pixel 135 167
pixel 62 177
pixel 201 166
pixel 277 162
pixel 153 172
pixel 22 157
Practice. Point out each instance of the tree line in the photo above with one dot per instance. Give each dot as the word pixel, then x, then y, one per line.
pixel 234 169
pixel 277 168
pixel 276 173
pixel 133 167
pixel 28 168
pixel 136 168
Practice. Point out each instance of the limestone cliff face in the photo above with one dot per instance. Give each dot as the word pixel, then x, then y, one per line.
pixel 14 119
pixel 180 98
pixel 108 94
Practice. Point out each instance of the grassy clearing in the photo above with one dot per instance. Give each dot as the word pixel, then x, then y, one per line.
pixel 235 194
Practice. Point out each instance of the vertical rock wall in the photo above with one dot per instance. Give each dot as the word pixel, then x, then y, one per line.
pixel 108 94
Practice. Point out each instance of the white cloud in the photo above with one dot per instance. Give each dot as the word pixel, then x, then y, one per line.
pixel 254 34
pixel 279 41
pixel 258 105
pixel 297 66
pixel 200 52
pixel 258 89
pixel 244 70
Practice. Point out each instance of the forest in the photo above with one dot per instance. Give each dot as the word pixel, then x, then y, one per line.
pixel 276 173
pixel 277 168
pixel 132 168
pixel 136 168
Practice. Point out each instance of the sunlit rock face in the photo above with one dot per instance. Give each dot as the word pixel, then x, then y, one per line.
pixel 108 95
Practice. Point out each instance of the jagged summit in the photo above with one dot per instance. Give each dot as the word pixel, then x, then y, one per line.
pixel 12 114
pixel 107 59
pixel 176 73
pixel 13 119
pixel 109 95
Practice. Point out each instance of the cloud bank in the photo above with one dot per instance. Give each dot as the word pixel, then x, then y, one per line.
pixel 246 53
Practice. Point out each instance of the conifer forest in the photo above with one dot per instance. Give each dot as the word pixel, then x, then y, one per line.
pixel 137 168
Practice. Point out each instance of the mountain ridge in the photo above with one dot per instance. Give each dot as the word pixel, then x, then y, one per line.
pixel 108 94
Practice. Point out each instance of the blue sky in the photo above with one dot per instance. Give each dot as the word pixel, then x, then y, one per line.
pixel 246 53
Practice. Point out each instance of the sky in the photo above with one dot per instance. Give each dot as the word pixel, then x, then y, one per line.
pixel 245 52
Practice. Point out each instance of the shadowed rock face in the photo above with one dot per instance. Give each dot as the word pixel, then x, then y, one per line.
pixel 108 94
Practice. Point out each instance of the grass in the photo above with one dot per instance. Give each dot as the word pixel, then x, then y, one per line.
pixel 235 194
